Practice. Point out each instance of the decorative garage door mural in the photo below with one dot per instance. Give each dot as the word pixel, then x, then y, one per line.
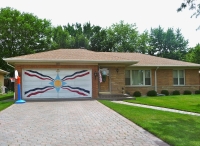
pixel 56 83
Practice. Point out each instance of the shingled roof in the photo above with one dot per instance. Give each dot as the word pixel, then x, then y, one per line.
pixel 148 60
pixel 83 55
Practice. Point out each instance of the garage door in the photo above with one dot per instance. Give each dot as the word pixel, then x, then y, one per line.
pixel 56 83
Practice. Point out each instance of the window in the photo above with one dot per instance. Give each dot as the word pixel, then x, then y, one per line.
pixel 138 77
pixel 179 77
pixel 127 77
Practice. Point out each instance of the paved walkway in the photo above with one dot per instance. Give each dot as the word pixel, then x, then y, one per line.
pixel 70 123
pixel 157 108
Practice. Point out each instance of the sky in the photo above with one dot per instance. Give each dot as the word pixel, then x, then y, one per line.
pixel 146 14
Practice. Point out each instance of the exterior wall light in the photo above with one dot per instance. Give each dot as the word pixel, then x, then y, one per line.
pixel 117 70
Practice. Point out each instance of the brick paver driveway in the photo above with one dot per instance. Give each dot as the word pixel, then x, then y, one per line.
pixel 68 123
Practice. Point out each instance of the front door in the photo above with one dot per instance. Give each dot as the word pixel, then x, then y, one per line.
pixel 105 84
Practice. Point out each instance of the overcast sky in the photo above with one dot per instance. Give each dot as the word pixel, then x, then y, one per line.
pixel 145 13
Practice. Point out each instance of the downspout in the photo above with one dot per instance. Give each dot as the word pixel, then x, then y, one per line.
pixel 156 78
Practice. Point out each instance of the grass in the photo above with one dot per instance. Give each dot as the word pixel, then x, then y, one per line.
pixel 173 128
pixel 6 96
pixel 181 102
pixel 5 104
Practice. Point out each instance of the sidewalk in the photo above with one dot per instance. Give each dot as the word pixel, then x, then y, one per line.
pixel 157 108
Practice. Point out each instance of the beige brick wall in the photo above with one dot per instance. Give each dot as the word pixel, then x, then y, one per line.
pixel 165 82
pixel 94 68
pixel 117 79
pixel 191 82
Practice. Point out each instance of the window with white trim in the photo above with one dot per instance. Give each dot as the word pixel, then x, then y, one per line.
pixel 138 77
pixel 179 77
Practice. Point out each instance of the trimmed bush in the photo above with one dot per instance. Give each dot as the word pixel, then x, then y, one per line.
pixel 187 92
pixel 166 92
pixel 137 94
pixel 152 93
pixel 197 92
pixel 176 92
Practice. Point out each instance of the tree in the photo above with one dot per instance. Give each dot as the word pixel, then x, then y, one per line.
pixel 21 34
pixel 77 37
pixel 168 44
pixel 88 30
pixel 61 38
pixel 156 41
pixel 98 40
pixel 143 43
pixel 122 37
pixel 193 54
pixel 192 5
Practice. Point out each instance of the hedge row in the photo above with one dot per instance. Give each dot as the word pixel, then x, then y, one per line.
pixel 165 92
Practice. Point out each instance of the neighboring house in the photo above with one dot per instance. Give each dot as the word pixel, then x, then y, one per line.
pixel 72 73
pixel 199 80
pixel 2 73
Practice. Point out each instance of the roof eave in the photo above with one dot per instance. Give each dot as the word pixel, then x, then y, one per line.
pixel 67 61
pixel 4 72
pixel 190 66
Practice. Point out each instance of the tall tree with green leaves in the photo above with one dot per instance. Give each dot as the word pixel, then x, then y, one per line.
pixel 143 43
pixel 78 36
pixel 60 38
pixel 156 42
pixel 98 40
pixel 168 44
pixel 88 30
pixel 21 34
pixel 122 37
pixel 193 54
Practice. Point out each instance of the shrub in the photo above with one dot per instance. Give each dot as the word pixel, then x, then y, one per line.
pixel 137 94
pixel 197 92
pixel 152 93
pixel 166 92
pixel 187 92
pixel 176 92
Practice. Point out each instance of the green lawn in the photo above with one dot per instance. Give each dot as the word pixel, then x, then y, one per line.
pixel 5 104
pixel 173 128
pixel 181 102
pixel 6 96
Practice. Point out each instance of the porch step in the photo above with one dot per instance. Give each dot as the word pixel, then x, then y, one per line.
pixel 114 96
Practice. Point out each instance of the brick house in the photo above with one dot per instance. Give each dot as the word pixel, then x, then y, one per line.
pixel 73 73
pixel 2 73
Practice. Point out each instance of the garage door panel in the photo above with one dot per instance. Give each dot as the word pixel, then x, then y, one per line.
pixel 54 83
pixel 66 94
pixel 36 83
pixel 82 83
